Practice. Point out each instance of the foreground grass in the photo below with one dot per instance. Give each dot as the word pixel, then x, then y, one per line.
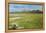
pixel 26 20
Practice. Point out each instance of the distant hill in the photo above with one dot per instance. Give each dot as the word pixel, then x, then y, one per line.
pixel 33 11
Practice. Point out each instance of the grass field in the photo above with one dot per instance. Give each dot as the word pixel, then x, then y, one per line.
pixel 26 20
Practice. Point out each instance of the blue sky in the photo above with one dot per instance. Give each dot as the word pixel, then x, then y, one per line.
pixel 21 7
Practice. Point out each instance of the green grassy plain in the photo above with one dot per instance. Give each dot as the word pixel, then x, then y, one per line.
pixel 26 20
